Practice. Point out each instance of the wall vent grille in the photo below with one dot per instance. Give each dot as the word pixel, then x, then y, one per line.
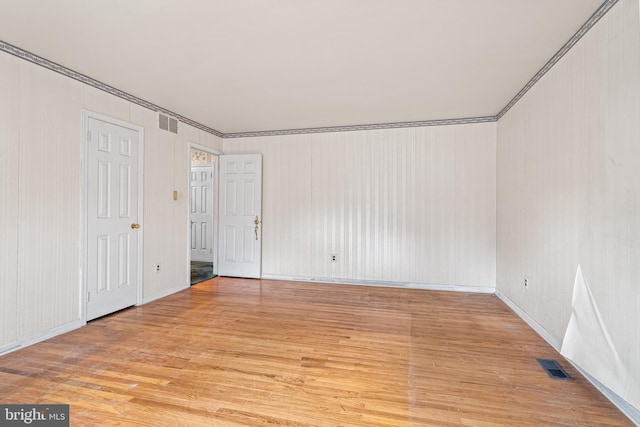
pixel 553 369
pixel 170 124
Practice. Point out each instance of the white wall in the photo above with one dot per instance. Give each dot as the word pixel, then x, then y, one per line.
pixel 401 205
pixel 404 205
pixel 9 155
pixel 569 190
pixel 40 191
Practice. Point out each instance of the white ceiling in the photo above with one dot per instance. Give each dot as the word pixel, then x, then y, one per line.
pixel 253 65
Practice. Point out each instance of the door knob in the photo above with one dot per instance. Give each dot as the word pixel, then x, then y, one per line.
pixel 134 226
pixel 256 222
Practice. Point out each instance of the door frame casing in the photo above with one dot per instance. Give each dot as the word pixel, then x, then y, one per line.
pixel 84 273
pixel 214 189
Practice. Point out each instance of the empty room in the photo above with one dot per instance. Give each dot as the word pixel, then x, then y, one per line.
pixel 305 213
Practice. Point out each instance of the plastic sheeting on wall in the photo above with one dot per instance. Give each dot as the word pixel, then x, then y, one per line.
pixel 587 343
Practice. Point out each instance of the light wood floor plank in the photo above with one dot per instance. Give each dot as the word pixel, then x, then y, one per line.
pixel 233 352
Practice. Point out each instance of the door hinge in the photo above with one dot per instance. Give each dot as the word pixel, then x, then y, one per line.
pixel 89 135
pixel 88 297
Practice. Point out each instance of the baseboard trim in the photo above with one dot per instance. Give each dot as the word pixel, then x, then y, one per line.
pixel 627 409
pixel 68 327
pixel 529 320
pixel 166 293
pixel 405 285
pixel 41 336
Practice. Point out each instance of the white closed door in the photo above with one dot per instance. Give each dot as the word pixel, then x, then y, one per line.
pixel 240 215
pixel 112 217
pixel 202 213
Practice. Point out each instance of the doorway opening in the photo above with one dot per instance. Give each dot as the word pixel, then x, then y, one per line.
pixel 202 208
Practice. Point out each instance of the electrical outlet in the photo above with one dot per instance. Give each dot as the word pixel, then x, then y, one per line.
pixel 157 268
pixel 334 257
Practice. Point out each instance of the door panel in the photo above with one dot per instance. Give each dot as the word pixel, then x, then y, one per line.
pixel 112 208
pixel 240 208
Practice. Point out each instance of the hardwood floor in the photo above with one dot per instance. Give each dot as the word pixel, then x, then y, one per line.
pixel 232 352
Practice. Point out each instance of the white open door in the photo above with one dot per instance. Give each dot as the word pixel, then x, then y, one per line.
pixel 202 213
pixel 240 215
pixel 112 217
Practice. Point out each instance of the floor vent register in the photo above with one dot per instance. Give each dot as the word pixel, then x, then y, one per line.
pixel 553 369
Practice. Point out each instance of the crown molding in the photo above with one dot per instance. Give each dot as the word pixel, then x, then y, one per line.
pixel 50 65
pixel 598 14
pixel 377 126
pixel 35 59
